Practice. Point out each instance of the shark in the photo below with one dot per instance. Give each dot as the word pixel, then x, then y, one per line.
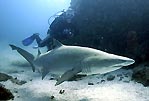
pixel 69 61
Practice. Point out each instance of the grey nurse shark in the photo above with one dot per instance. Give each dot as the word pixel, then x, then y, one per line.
pixel 71 60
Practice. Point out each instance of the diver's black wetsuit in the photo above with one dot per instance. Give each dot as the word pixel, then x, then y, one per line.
pixel 58 25
pixel 45 42
pixel 56 30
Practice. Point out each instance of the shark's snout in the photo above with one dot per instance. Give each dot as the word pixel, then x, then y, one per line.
pixel 127 61
pixel 121 61
pixel 130 61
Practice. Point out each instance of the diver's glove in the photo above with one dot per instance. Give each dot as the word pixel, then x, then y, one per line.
pixel 29 40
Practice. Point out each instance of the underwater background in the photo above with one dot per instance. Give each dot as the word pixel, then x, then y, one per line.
pixel 115 26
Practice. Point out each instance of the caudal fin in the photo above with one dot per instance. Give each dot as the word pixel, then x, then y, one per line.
pixel 28 56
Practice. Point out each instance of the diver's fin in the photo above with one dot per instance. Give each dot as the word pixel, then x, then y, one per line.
pixel 56 43
pixel 29 40
pixel 28 56
pixel 68 75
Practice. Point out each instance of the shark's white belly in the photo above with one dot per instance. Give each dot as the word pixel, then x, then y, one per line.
pixel 101 70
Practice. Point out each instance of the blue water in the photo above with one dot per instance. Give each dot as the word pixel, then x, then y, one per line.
pixel 21 18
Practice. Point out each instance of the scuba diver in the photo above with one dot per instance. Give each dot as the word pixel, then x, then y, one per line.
pixel 61 28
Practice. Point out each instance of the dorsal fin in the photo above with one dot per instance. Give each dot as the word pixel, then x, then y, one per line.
pixel 56 44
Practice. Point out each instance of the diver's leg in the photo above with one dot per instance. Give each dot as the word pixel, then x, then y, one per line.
pixel 48 41
pixel 38 39
pixel 40 42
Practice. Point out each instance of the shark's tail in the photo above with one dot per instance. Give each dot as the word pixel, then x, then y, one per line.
pixel 28 56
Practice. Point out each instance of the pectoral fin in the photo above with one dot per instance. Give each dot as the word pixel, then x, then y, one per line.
pixel 68 75
pixel 44 72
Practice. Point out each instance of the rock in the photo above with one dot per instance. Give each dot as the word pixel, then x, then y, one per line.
pixel 90 83
pixel 147 72
pixel 98 83
pixel 141 74
pixel 102 81
pixel 61 91
pixel 5 94
pixel 96 31
pixel 121 78
pixel 110 77
pixel 4 77
pixel 105 74
pixel 1 85
pixel 52 97
pixel 15 91
pixel 119 75
pixel 21 82
pixel 18 82
pixel 22 71
pixel 126 76
pixel 126 81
